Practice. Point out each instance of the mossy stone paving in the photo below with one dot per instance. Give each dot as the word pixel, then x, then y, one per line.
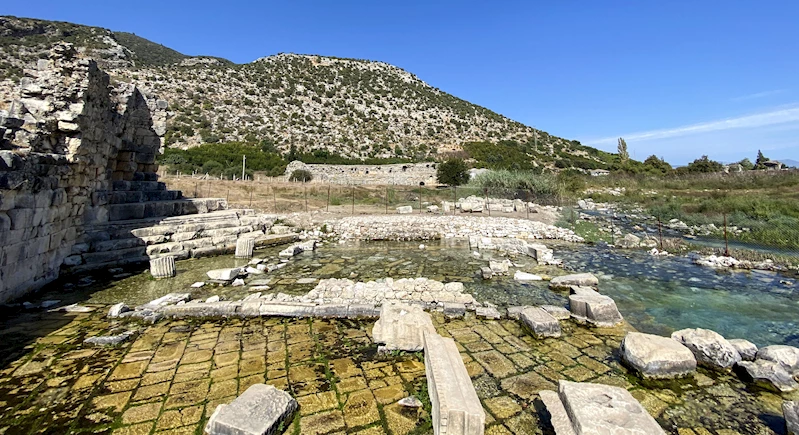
pixel 172 375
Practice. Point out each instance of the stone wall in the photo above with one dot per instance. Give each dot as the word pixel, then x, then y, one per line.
pixel 405 174
pixel 63 144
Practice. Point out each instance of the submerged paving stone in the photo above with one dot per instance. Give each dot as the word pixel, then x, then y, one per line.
pixel 258 411
pixel 654 356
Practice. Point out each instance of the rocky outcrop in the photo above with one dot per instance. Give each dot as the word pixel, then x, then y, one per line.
pixel 657 357
pixel 709 347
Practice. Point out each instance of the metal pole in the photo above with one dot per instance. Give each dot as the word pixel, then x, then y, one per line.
pixel 243 165
pixel 328 197
pixel 454 198
pixel 274 198
pixel 251 197
pixel 527 205
pixel 386 199
pixel 485 194
pixel 420 199
pixel 352 191
pixel 660 232
pixel 305 191
pixel 227 198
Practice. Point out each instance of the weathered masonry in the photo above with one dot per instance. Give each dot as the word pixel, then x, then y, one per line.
pixel 405 174
pixel 77 157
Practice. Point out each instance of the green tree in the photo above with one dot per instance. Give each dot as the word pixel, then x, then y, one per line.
pixel 704 164
pixel 622 150
pixel 302 175
pixel 746 164
pixel 452 172
pixel 761 160
pixel 657 165
pixel 292 155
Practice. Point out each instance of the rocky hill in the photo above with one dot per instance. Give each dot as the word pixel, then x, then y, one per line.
pixel 353 108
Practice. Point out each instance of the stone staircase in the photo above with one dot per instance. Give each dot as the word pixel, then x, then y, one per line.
pixel 205 228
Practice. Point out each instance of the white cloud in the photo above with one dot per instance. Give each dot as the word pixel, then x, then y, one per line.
pixel 775 116
pixel 758 95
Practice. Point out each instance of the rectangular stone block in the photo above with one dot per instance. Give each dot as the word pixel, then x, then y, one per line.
pixel 287 310
pixel 456 407
pixel 596 409
pixel 540 322
pixel 261 410
pixel 597 309
pixel 244 248
pixel 559 418
pixel 163 267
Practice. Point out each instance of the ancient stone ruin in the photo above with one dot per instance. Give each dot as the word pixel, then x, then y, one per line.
pixel 404 174
pixel 78 173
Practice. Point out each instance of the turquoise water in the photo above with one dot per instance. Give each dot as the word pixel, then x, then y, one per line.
pixel 655 294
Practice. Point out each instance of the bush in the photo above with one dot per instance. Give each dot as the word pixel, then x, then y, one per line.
pixel 302 175
pixel 538 184
pixel 452 172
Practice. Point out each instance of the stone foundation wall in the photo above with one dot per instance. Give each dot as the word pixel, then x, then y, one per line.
pixel 405 174
pixel 62 145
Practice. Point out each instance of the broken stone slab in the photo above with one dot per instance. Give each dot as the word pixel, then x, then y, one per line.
pixel 599 310
pixel 709 347
pixel 404 209
pixel 200 309
pixel 244 248
pixel 163 267
pixel 540 252
pixel 745 348
pixel 557 312
pixel 168 299
pixel 540 322
pixel 657 357
pixel 582 290
pixel 224 275
pixel 515 312
pixel 290 251
pixel 402 327
pixel 766 374
pixel 410 402
pixel 260 410
pixel 109 340
pixel 498 267
pixel 785 356
pixel 525 277
pixel 144 314
pixel 72 308
pixel 454 309
pixel 791 412
pixel 559 418
pixel 331 310
pixel 577 279
pixel 356 311
pixel 197 284
pixel 595 409
pixel 456 407
pixel 487 313
pixel 116 310
pixel 486 272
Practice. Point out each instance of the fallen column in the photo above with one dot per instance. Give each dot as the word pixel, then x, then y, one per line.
pixel 244 248
pixel 163 267
pixel 456 407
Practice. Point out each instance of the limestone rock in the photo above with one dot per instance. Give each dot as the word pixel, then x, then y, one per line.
pixel 487 313
pixel 260 410
pixel 597 309
pixel 525 277
pixel 766 374
pixel 109 340
pixel 225 275
pixel 596 409
pixel 629 241
pixel 402 327
pixel 117 309
pixel 654 356
pixel 709 347
pixel 745 348
pixel 456 407
pixel 405 209
pixel 540 322
pixel 785 356
pixel 169 299
pixel 791 412
pixel 557 312
pixel 410 402
pixel 578 279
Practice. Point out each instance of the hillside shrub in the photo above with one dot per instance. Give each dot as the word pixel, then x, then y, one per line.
pixel 538 184
pixel 452 172
pixel 301 175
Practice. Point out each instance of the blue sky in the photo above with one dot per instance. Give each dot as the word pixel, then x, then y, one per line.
pixel 675 78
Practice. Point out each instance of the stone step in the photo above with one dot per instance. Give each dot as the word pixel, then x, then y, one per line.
pixel 138 185
pixel 134 196
pixel 161 225
pixel 144 210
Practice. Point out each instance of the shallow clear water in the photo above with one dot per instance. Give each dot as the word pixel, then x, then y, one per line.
pixel 655 294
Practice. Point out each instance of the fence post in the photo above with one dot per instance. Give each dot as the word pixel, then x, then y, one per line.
pixel 660 232
pixel 420 198
pixel 328 197
pixel 352 191
pixel 485 195
pixel 195 190
pixel 386 199
pixel 274 198
pixel 726 243
pixel 227 198
pixel 527 204
pixel 454 198
pixel 305 191
pixel 251 189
